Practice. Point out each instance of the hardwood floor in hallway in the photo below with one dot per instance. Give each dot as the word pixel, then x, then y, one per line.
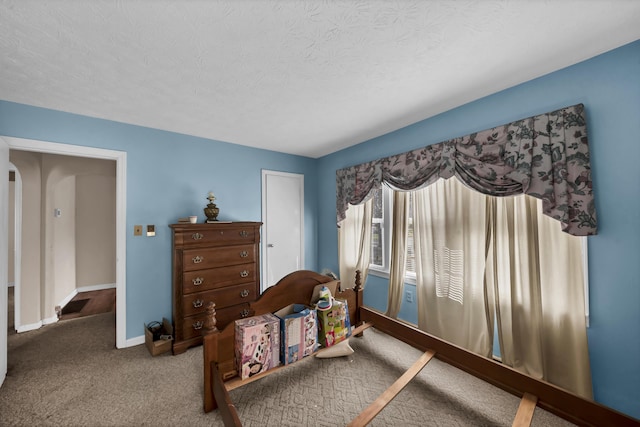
pixel 102 301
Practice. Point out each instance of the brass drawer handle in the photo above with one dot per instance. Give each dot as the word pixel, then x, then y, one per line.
pixel 244 313
pixel 244 273
pixel 197 236
pixel 198 325
pixel 197 281
pixel 197 259
pixel 244 233
pixel 244 293
pixel 198 303
pixel 244 254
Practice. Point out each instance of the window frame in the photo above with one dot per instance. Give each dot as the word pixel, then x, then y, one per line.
pixel 383 269
pixel 387 209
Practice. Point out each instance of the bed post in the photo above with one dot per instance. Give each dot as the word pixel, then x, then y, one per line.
pixel 357 289
pixel 210 351
pixel 210 321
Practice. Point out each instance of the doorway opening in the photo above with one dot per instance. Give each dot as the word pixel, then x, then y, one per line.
pixel 119 157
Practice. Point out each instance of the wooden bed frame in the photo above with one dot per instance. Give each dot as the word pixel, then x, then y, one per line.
pixel 220 374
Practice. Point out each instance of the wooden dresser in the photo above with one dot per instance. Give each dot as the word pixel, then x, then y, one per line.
pixel 212 262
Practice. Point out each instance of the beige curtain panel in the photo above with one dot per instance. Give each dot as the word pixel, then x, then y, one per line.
pixel 539 282
pixel 398 263
pixel 450 246
pixel 354 243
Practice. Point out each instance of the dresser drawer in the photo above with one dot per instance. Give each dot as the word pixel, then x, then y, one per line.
pixel 192 325
pixel 199 259
pixel 216 278
pixel 231 234
pixel 225 297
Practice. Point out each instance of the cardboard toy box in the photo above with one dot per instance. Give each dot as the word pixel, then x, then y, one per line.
pixel 334 324
pixel 298 332
pixel 161 345
pixel 257 345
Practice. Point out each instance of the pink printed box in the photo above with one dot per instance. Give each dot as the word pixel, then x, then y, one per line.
pixel 257 345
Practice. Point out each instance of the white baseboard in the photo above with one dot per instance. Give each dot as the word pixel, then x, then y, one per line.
pixel 30 327
pixel 50 320
pixel 96 287
pixel 68 298
pixel 132 342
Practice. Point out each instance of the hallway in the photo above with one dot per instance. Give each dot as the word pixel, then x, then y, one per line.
pixel 102 301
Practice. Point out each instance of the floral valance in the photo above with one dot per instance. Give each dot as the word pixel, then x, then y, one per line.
pixel 544 156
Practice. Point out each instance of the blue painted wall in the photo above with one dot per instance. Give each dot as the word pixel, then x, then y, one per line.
pixel 609 87
pixel 168 177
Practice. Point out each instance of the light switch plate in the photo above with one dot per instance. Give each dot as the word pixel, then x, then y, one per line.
pixel 137 230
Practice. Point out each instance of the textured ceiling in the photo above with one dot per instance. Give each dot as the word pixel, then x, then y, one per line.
pixel 305 77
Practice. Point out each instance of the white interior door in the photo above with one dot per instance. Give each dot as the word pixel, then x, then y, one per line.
pixel 4 255
pixel 283 225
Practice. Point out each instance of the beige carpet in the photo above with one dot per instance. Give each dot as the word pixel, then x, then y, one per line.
pixel 70 374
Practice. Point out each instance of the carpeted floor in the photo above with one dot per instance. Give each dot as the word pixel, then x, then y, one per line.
pixel 70 374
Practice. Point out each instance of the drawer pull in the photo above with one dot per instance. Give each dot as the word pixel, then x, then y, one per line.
pixel 244 313
pixel 244 273
pixel 244 233
pixel 198 325
pixel 198 303
pixel 244 293
pixel 244 254
pixel 198 281
pixel 197 259
pixel 197 236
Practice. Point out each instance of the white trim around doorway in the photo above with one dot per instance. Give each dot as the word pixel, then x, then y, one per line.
pixel 120 158
pixel 17 247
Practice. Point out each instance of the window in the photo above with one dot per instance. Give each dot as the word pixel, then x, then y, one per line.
pixel 381 235
pixel 411 258
pixel 380 232
pixel 377 227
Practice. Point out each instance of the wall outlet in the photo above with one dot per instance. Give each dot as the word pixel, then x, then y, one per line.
pixel 137 230
pixel 409 296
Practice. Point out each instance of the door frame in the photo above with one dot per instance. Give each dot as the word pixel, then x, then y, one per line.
pixel 17 244
pixel 265 220
pixel 4 258
pixel 120 157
